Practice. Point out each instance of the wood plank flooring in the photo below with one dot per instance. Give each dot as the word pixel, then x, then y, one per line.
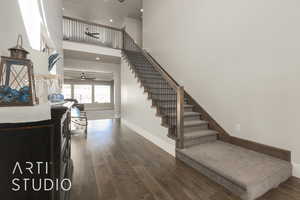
pixel 115 163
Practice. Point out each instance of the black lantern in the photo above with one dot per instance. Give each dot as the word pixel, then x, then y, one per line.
pixel 17 86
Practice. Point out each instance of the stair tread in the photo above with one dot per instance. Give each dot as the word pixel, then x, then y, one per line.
pixel 188 113
pixel 172 106
pixel 194 122
pixel 147 72
pixel 241 166
pixel 200 133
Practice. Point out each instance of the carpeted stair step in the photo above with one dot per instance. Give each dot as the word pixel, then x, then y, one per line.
pixel 245 173
pixel 199 137
pixel 160 90
pixel 171 97
pixel 156 85
pixel 150 77
pixel 188 116
pixel 163 92
pixel 195 125
pixel 147 70
pixel 150 73
pixel 187 107
pixel 145 67
pixel 135 55
pixel 154 81
pixel 140 62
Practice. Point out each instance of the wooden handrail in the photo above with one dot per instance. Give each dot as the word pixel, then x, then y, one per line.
pixel 92 23
pixel 133 46
pixel 157 66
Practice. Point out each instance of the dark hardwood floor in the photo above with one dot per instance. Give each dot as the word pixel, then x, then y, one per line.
pixel 115 163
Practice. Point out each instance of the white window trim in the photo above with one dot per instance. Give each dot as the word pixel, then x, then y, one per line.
pixel 92 83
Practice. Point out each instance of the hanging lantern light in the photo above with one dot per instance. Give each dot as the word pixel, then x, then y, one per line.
pixel 17 86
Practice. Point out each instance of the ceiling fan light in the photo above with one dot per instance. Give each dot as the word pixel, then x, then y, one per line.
pixel 82 76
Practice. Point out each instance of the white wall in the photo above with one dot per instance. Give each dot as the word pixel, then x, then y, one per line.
pixel 100 67
pixel 12 24
pixel 11 28
pixel 238 59
pixel 138 115
pixel 134 28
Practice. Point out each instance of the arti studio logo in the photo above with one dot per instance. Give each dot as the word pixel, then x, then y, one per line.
pixel 28 170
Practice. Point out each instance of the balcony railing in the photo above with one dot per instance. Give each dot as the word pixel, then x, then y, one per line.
pixel 76 30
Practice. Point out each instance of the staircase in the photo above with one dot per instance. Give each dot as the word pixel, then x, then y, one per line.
pixel 246 173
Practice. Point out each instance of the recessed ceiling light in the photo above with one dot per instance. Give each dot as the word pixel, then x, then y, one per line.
pixel 111 20
pixel 142 10
pixel 97 58
pixel 63 8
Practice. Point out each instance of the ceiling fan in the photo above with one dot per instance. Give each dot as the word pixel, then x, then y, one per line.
pixel 121 1
pixel 92 34
pixel 83 77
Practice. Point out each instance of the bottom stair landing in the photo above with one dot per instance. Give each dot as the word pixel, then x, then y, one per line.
pixel 246 173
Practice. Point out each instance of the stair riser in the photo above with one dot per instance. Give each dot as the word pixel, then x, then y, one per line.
pixel 136 58
pixel 239 191
pixel 142 60
pixel 156 87
pixel 160 103
pixel 200 140
pixel 154 81
pixel 141 64
pixel 158 91
pixel 192 117
pixel 147 73
pixel 186 118
pixel 195 128
pixel 165 98
pixel 149 68
pixel 186 109
pixel 154 78
pixel 150 75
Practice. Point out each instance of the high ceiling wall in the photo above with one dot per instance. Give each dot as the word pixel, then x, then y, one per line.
pixel 101 11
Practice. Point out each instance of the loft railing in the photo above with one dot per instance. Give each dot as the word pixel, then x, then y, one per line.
pixel 168 95
pixel 77 30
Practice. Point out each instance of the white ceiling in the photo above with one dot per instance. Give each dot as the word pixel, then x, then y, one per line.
pixel 76 74
pixel 101 11
pixel 70 54
pixel 71 73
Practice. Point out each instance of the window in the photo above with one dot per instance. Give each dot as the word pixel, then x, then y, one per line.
pixel 67 91
pixel 83 93
pixel 98 92
pixel 102 94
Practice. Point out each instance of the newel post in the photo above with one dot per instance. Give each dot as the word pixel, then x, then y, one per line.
pixel 180 120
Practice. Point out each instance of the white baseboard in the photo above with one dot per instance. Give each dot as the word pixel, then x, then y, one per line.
pixel 167 147
pixel 296 170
